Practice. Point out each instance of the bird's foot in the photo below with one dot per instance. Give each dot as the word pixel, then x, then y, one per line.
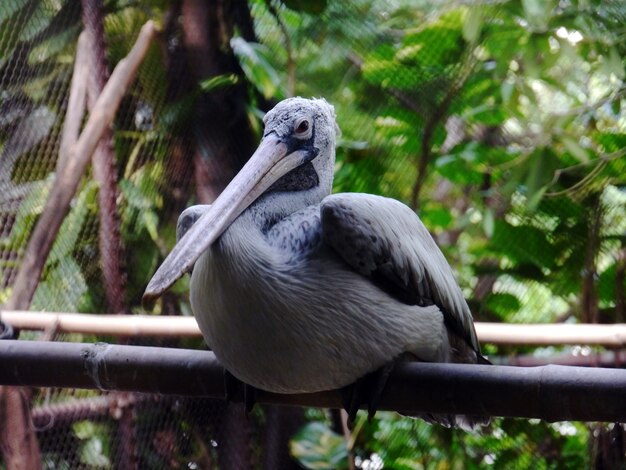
pixel 368 389
pixel 232 386
pixel 249 398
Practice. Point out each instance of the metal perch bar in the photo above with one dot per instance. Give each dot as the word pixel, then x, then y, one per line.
pixel 552 393
pixel 160 325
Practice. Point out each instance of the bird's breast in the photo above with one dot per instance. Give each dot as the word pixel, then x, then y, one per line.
pixel 292 324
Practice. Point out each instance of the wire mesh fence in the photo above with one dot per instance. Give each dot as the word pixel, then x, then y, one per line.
pixel 501 123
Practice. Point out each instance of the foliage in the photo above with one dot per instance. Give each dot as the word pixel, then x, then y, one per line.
pixel 317 447
pixel 511 115
pixel 503 124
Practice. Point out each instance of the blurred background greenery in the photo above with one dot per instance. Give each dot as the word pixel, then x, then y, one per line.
pixel 502 123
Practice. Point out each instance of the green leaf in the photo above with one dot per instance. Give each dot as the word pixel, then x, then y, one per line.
pixel 536 173
pixel 613 65
pixel 418 47
pixel 253 58
pixel 317 447
pixel 151 223
pixel 32 205
pixel 460 167
pixel 92 453
pixel 523 243
pixel 488 222
pixel 538 13
pixel 217 82
pixel 11 7
pixel 83 429
pixel 52 46
pixel 575 149
pixel 607 284
pixel 610 141
pixel 95 443
pixel 473 24
pixel 503 304
pixel 144 258
pixel 26 135
pixel 63 288
pixel 437 217
pixel 65 242
pixel 40 19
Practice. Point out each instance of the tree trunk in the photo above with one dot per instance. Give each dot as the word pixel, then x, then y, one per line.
pixel 224 138
pixel 104 169
pixel 281 424
pixel 18 442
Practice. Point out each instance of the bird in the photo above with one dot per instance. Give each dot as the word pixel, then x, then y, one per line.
pixel 298 290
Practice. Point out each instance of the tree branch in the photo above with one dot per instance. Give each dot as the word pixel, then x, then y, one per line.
pixel 66 182
pixel 103 161
pixel 427 135
pixel 75 104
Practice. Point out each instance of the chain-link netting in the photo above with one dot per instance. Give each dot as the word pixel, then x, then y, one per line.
pixel 501 123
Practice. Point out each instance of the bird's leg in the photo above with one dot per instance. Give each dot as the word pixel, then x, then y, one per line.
pixel 368 389
pixel 380 382
pixel 231 386
pixel 249 398
pixel 231 390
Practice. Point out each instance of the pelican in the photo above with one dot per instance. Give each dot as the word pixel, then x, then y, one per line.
pixel 297 290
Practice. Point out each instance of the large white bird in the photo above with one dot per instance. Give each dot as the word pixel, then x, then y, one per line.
pixel 297 290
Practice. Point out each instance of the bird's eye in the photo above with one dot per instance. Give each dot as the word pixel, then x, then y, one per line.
pixel 302 127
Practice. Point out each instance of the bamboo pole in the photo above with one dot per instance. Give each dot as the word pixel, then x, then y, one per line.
pixel 178 326
pixel 104 324
pixel 550 334
pixel 552 393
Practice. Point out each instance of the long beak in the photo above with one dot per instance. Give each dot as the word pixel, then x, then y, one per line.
pixel 270 162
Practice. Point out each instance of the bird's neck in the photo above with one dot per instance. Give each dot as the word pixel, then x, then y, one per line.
pixel 275 206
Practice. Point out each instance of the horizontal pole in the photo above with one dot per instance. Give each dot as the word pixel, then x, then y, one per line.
pixel 182 326
pixel 104 324
pixel 552 334
pixel 583 358
pixel 552 393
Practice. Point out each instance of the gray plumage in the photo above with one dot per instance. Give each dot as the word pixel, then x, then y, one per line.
pixel 297 290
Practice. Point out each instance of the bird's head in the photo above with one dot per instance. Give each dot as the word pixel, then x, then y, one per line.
pixel 308 128
pixel 297 152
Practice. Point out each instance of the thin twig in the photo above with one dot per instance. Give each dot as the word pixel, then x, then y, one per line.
pixel 426 144
pixel 620 292
pixel 76 103
pixel 600 163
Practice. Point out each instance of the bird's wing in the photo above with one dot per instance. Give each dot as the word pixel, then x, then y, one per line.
pixel 384 240
pixel 187 218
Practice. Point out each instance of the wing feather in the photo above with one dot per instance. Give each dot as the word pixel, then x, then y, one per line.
pixel 384 240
